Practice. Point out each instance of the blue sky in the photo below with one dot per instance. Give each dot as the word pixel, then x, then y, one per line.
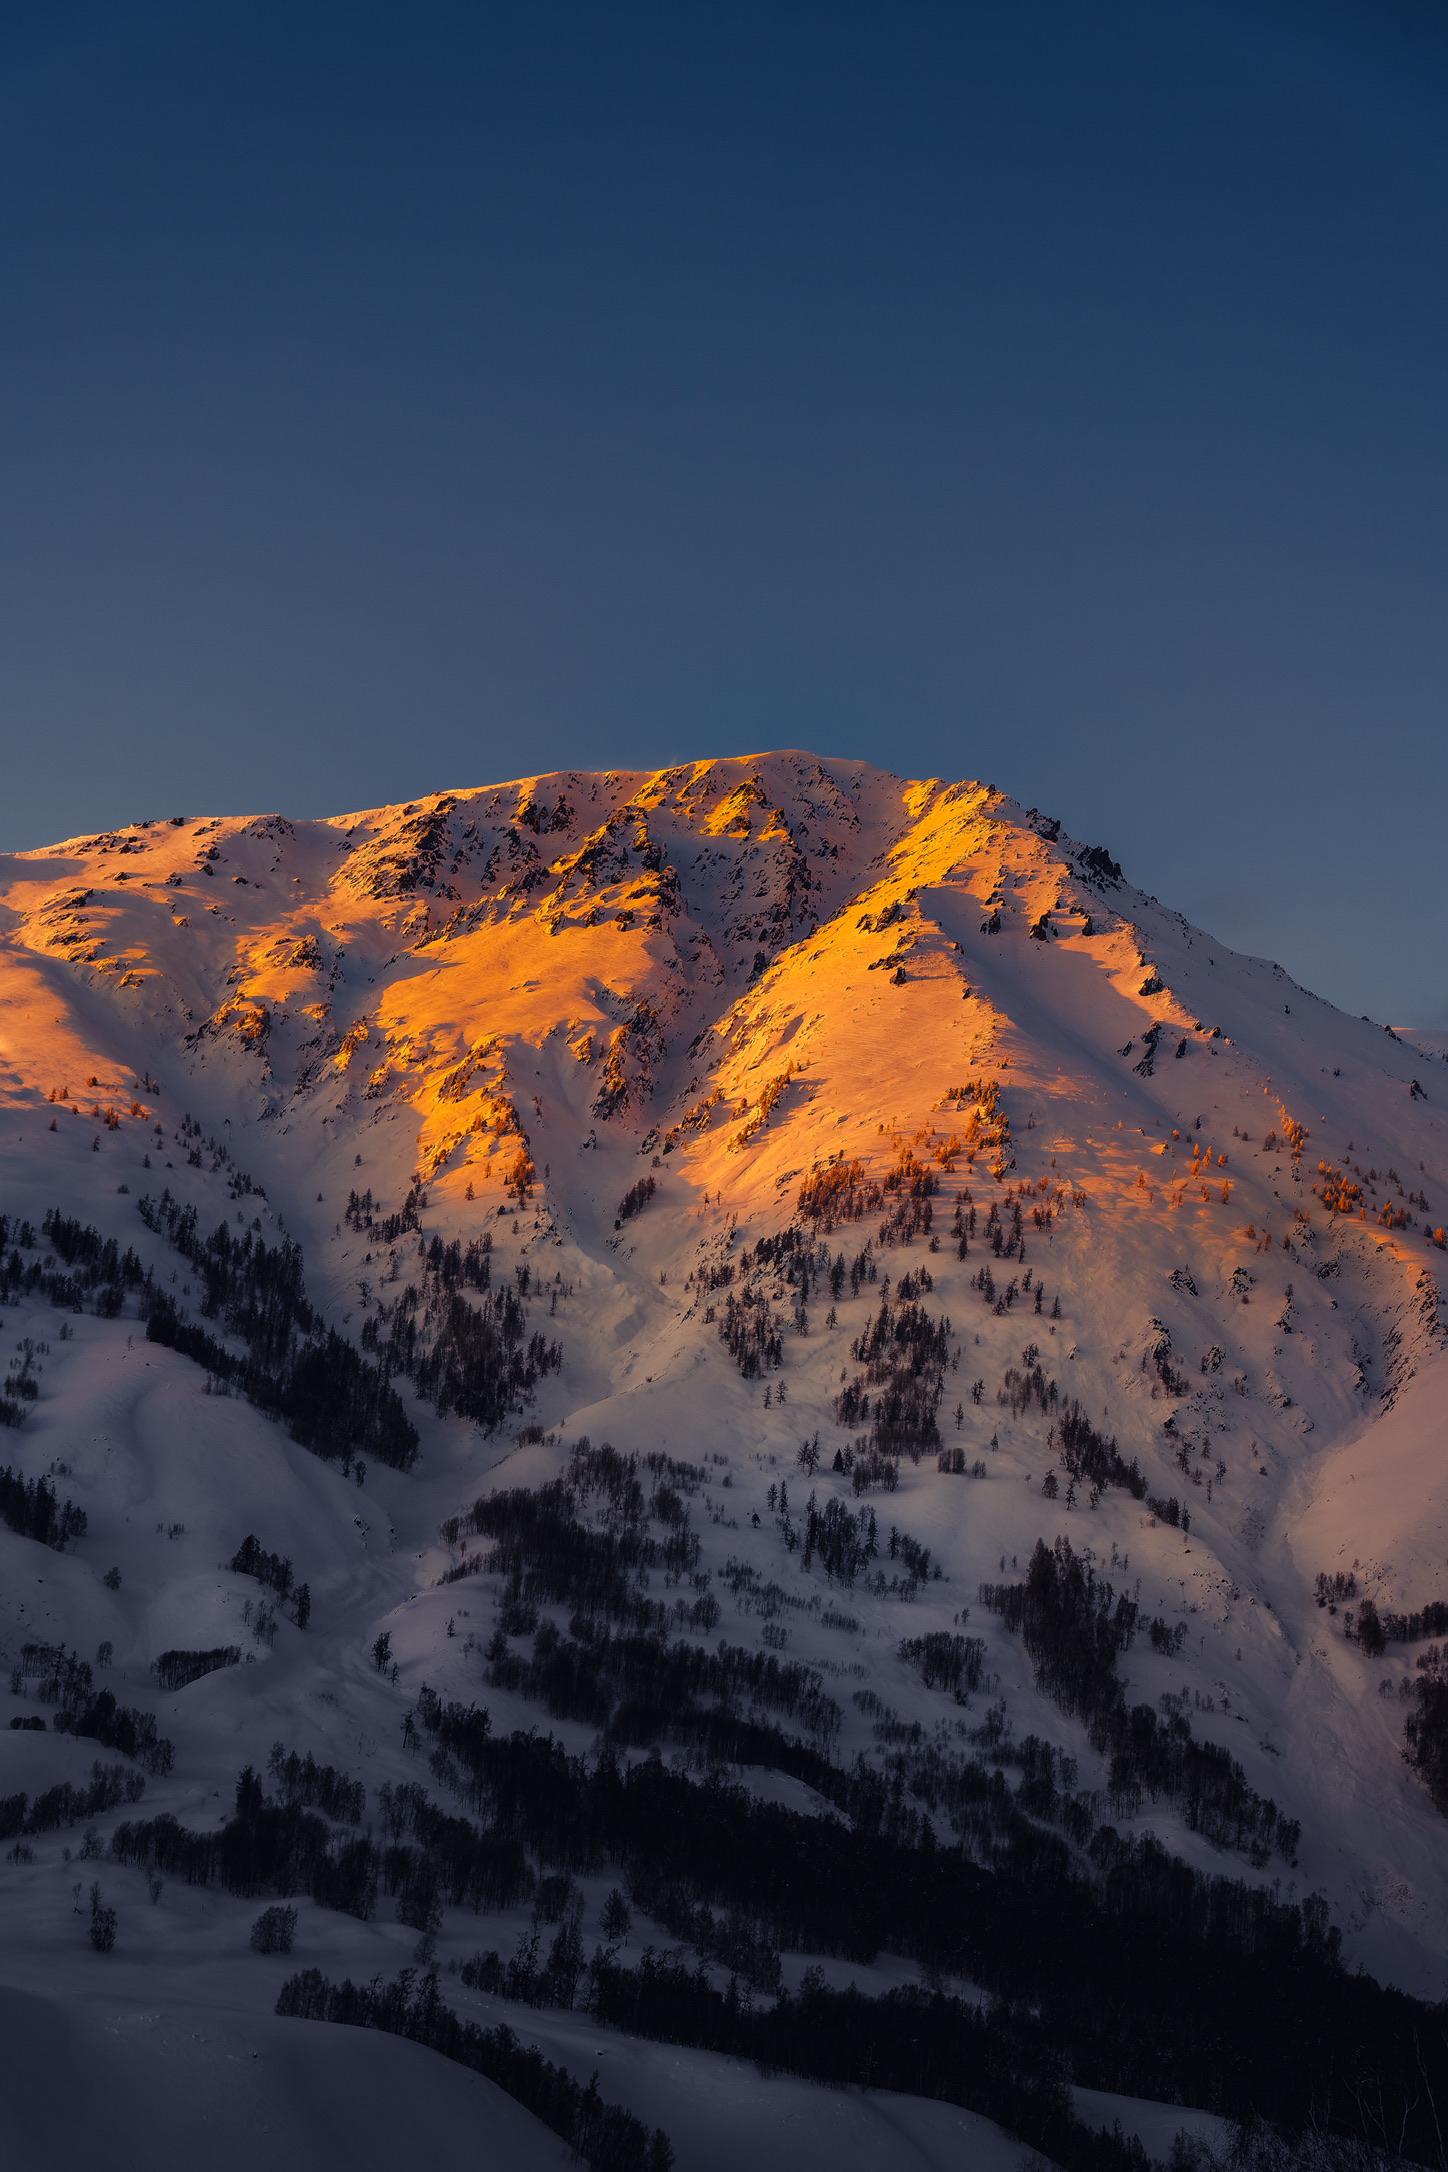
pixel 401 397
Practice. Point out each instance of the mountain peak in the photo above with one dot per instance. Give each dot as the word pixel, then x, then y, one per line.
pixel 861 1159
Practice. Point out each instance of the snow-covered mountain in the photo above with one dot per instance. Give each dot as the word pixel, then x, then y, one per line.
pixel 874 1157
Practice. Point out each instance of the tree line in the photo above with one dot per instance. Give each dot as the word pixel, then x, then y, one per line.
pixel 601 2134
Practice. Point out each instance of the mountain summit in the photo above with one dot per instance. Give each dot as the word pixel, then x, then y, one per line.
pixel 1017 1318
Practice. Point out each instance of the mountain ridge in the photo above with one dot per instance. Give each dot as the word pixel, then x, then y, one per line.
pixel 866 1147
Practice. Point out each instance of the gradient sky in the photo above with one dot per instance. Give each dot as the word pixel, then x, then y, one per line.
pixel 404 396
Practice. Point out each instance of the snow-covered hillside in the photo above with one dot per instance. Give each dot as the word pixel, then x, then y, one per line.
pixel 869 1150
